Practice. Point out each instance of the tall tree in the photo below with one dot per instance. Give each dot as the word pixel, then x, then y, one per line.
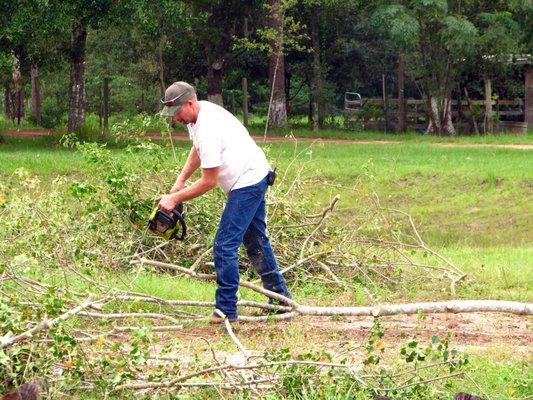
pixel 25 32
pixel 441 36
pixel 160 24
pixel 77 17
pixel 6 63
pixel 215 37
pixel 277 116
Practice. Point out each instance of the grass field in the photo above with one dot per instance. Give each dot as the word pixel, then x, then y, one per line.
pixel 471 204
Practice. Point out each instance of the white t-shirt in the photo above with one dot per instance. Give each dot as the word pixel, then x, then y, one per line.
pixel 222 141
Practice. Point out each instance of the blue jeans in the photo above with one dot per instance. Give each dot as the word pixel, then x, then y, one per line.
pixel 243 221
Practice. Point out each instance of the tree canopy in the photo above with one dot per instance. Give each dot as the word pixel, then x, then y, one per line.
pixel 122 54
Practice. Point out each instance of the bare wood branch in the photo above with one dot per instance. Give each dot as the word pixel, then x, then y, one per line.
pixel 425 247
pixel 211 277
pixel 325 213
pixel 438 378
pixel 200 258
pixel 8 340
pixel 231 334
pixel 301 261
pixel 129 315
pixel 453 306
pixel 178 381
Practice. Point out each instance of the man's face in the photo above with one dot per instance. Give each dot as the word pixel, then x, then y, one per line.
pixel 186 114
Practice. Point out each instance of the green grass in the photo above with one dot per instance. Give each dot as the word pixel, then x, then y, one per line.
pixel 498 379
pixel 24 124
pixel 397 137
pixel 466 196
pixel 473 205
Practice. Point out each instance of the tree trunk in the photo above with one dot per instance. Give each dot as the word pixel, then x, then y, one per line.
pixel 105 103
pixel 317 103
pixel 8 101
pixel 35 94
pixel 160 49
pixel 214 79
pixel 277 116
pixel 233 104
pixel 18 93
pixel 440 117
pixel 76 95
pixel 472 113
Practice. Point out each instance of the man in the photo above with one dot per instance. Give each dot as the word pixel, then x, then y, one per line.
pixel 227 155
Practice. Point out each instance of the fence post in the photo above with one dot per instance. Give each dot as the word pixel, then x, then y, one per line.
pixel 233 105
pixel 105 111
pixel 401 100
pixel 488 126
pixel 245 102
pixel 528 108
pixel 385 104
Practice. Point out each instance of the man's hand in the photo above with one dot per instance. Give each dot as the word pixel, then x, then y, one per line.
pixel 168 202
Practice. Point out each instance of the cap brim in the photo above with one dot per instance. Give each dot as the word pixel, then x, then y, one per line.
pixel 169 111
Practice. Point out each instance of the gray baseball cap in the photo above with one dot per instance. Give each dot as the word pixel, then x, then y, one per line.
pixel 175 96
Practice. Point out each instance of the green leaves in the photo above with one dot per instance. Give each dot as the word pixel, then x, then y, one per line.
pixel 458 34
pixel 430 9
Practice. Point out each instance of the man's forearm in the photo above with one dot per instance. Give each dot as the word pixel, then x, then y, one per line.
pixel 191 165
pixel 207 182
pixel 197 189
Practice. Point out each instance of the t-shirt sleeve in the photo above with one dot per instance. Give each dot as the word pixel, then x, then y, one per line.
pixel 210 150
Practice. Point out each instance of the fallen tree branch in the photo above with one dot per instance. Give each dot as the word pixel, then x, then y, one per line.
pixel 180 380
pixel 405 386
pixel 426 248
pixel 300 262
pixel 129 315
pixel 200 258
pixel 325 213
pixel 212 277
pixel 231 334
pixel 452 306
pixel 8 340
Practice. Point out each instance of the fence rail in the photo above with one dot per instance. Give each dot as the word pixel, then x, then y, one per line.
pixel 387 111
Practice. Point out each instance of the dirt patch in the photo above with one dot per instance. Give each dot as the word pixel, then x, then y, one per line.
pixel 468 329
pixel 184 136
pixel 476 330
pixel 26 133
pixel 494 335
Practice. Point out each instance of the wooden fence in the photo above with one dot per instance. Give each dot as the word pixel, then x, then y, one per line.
pixel 377 113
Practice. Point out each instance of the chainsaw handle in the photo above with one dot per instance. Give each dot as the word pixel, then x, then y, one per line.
pixel 183 228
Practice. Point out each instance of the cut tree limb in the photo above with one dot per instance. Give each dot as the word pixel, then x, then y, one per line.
pixel 8 340
pixel 452 306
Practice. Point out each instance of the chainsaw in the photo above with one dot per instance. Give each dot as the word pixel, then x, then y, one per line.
pixel 166 225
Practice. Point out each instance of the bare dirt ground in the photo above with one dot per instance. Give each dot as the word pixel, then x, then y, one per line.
pixel 184 136
pixel 479 332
